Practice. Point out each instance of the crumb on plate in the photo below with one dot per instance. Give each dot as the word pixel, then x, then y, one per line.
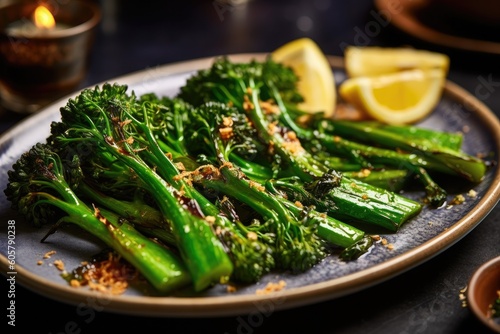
pixel 271 287
pixel 110 275
pixel 59 264
pixel 472 193
pixel 458 199
pixel 49 254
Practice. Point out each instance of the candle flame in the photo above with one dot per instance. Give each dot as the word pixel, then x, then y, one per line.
pixel 43 18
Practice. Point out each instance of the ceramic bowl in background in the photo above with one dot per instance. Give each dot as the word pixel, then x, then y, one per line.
pixel 482 292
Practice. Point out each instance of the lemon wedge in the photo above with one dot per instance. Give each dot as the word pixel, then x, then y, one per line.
pixel 373 60
pixel 316 79
pixel 397 98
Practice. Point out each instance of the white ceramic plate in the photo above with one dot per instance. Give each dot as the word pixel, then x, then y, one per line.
pixel 416 242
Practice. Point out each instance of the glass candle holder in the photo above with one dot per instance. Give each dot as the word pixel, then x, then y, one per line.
pixel 39 64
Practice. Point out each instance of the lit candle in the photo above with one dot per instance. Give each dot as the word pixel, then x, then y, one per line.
pixel 43 53
pixel 42 23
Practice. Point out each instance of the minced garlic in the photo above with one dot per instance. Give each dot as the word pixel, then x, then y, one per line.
pixel 59 264
pixel 49 254
pixel 271 287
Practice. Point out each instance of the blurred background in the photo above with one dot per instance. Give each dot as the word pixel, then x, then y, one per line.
pixel 139 35
pixel 136 36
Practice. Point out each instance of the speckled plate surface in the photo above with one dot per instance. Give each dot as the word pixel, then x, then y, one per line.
pixel 432 232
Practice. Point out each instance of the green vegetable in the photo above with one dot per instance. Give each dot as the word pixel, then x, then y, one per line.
pixel 249 248
pixel 407 137
pixel 228 178
pixel 296 243
pixel 40 188
pixel 495 307
pixel 432 149
pixel 248 87
pixel 100 118
pixel 258 90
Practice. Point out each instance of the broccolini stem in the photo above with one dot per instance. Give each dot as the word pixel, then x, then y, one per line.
pixel 201 250
pixel 390 179
pixel 156 263
pixel 199 247
pixel 332 230
pixel 145 218
pixel 299 159
pixel 404 137
pixel 470 168
pixel 38 181
pixel 292 237
pixel 361 202
pixel 355 200
pixel 251 258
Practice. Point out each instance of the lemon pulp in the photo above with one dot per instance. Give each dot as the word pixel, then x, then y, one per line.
pixel 396 98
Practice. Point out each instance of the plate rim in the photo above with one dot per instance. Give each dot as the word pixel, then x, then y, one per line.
pixel 287 298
